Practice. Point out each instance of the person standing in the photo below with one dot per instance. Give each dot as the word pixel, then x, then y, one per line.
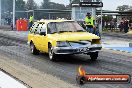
pixel 89 22
pixel 121 26
pixel 30 21
pixel 112 25
pixel 126 27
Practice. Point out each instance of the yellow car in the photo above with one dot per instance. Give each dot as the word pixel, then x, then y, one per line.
pixel 62 37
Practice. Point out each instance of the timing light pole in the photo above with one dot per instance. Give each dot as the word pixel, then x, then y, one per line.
pixel 14 13
pixel 101 20
pixel 0 12
pixel 101 17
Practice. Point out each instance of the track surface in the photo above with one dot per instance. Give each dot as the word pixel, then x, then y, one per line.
pixel 66 68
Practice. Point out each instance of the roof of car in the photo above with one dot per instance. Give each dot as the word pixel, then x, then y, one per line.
pixel 48 21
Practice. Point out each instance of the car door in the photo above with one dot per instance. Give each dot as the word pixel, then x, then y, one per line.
pixel 37 37
pixel 31 35
pixel 42 38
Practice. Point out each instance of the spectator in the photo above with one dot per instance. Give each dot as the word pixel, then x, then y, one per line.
pixel 130 24
pixel 126 23
pixel 112 25
pixel 31 20
pixel 90 23
pixel 11 26
pixel 121 26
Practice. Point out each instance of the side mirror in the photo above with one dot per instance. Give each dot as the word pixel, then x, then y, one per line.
pixel 43 33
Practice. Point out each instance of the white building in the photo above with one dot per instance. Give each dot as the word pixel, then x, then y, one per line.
pixel 79 13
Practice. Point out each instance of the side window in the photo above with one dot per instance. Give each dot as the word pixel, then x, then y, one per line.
pixel 43 28
pixel 51 28
pixel 34 27
pixel 39 28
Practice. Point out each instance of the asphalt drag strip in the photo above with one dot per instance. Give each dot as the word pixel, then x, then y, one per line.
pixel 109 62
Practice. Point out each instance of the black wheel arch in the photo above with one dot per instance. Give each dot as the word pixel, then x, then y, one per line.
pixel 49 44
pixel 31 42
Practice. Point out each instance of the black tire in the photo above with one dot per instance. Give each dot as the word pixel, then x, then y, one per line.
pixel 33 49
pixel 94 56
pixel 52 55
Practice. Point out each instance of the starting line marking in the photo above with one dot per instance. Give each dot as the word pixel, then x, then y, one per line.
pixel 7 81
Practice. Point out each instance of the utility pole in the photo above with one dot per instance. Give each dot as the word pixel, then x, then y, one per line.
pixel 101 20
pixel 81 10
pixel 14 2
pixel 0 12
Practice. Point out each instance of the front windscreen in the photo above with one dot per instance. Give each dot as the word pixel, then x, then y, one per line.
pixel 59 27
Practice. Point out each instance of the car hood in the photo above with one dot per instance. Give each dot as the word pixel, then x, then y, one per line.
pixel 70 36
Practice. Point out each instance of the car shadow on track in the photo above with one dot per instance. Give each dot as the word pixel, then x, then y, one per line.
pixel 73 59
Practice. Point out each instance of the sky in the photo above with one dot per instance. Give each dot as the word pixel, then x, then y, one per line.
pixel 108 4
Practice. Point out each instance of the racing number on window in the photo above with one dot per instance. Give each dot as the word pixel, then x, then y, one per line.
pixel 41 28
pixel 34 27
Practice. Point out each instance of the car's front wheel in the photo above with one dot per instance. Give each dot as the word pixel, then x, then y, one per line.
pixel 52 55
pixel 94 56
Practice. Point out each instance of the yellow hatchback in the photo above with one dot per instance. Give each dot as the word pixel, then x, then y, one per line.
pixel 62 37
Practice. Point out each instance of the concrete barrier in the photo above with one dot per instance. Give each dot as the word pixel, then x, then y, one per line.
pixel 130 44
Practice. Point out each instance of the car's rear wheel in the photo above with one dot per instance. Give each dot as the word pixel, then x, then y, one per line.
pixel 94 56
pixel 52 55
pixel 33 49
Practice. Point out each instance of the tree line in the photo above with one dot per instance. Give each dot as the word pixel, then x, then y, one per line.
pixel 21 5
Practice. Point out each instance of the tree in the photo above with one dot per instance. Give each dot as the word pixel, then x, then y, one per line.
pixel 45 4
pixel 20 5
pixel 75 1
pixel 51 5
pixel 123 8
pixel 30 5
pixel 107 18
pixel 70 1
pixel 7 6
pixel 130 8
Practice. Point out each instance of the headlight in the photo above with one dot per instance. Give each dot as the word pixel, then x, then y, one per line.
pixel 96 41
pixel 62 44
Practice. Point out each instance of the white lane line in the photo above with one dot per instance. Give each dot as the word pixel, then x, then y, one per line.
pixel 8 82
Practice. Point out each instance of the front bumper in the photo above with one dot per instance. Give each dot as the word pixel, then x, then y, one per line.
pixel 77 50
